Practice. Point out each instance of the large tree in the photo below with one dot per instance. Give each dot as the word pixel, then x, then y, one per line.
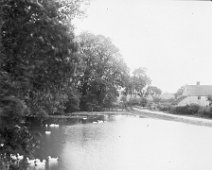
pixel 102 71
pixel 138 82
pixel 179 92
pixel 37 54
pixel 153 91
pixel 37 62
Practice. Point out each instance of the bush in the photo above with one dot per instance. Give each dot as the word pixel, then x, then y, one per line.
pixel 183 110
pixel 193 109
pixel 187 110
pixel 205 112
pixel 166 108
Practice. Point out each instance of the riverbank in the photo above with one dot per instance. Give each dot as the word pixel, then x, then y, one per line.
pixel 139 111
pixel 168 116
pixel 84 117
pixel 127 112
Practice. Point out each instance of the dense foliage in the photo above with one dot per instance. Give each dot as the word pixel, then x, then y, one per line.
pixel 153 91
pixel 138 82
pixel 37 59
pixel 102 72
pixel 37 55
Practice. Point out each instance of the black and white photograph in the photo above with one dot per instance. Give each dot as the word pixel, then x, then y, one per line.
pixel 105 85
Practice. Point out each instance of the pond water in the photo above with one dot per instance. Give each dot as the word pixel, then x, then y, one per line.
pixel 127 143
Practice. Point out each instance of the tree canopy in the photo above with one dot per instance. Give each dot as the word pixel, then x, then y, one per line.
pixel 179 92
pixel 37 54
pixel 102 71
pixel 153 91
pixel 138 82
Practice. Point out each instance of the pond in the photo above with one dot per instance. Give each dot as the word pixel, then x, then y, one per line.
pixel 126 143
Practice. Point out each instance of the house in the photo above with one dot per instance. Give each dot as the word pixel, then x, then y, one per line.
pixel 196 94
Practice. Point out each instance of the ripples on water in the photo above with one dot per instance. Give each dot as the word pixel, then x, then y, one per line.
pixel 128 143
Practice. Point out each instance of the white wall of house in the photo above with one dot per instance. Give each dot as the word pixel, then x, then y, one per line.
pixel 202 101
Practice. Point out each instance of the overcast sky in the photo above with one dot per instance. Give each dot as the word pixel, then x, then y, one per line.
pixel 172 39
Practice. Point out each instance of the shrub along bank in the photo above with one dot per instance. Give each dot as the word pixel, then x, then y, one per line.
pixel 193 109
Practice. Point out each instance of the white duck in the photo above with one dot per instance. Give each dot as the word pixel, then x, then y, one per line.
pixel 48 132
pixel 13 157
pixel 19 157
pixel 52 161
pixel 100 121
pixel 40 164
pixel 54 125
pixel 31 162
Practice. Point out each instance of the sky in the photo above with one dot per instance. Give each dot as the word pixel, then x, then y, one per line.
pixel 171 39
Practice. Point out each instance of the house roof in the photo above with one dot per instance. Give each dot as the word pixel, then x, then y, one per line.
pixel 197 90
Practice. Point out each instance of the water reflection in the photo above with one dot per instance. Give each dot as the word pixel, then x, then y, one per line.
pixel 128 143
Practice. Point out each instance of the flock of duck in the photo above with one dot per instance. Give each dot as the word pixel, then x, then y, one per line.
pixel 48 132
pixel 50 161
pixel 35 163
pixel 99 121
pixel 42 163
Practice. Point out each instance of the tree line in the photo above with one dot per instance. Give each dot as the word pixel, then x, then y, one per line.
pixel 46 69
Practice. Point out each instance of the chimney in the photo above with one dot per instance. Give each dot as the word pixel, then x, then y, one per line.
pixel 198 83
